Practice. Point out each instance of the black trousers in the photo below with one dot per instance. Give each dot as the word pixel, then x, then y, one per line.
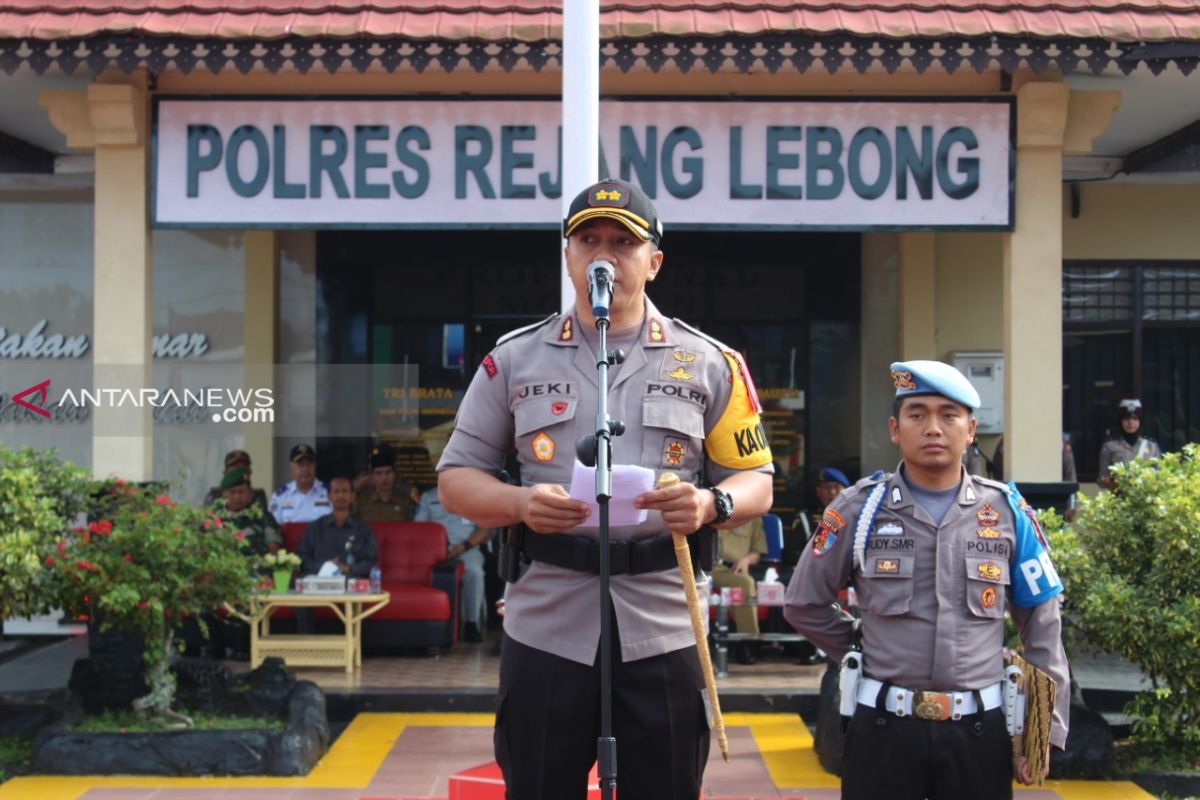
pixel 548 720
pixel 904 758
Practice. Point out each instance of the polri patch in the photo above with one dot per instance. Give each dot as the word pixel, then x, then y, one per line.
pixel 489 366
pixel 543 447
pixel 674 452
pixel 988 516
pixel 886 566
pixel 823 540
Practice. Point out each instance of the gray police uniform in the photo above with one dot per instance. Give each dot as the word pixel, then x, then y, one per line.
pixel 932 599
pixel 458 531
pixel 681 395
pixel 1119 451
pixel 289 504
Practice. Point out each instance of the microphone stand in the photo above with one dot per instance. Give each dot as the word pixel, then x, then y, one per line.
pixel 597 450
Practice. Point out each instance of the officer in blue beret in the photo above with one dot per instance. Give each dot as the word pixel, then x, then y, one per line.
pixel 935 555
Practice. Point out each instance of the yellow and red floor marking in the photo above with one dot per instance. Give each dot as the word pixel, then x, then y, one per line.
pixel 409 756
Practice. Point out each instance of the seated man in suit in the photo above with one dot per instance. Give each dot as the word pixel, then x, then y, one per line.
pixel 335 544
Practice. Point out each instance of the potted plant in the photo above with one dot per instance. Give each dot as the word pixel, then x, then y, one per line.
pixel 281 564
pixel 145 563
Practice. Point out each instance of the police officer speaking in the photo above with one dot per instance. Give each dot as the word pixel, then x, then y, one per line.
pixel 683 396
pixel 933 553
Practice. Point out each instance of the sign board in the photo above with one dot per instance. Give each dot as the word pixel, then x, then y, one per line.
pixel 827 164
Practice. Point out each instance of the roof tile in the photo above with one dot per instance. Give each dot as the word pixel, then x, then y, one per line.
pixel 535 20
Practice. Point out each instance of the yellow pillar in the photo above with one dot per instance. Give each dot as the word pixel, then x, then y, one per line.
pixel 917 293
pixel 1051 121
pixel 260 324
pixel 110 117
pixel 123 270
pixel 1033 290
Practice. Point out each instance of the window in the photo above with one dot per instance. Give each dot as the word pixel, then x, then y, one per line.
pixel 1130 329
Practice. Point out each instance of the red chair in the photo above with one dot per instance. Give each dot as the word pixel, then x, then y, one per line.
pixel 423 610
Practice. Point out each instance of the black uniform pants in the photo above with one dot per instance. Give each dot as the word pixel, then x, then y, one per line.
pixel 548 720
pixel 904 758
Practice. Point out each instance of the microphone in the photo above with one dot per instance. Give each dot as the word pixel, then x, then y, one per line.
pixel 600 291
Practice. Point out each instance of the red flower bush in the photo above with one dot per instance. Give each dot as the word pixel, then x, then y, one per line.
pixel 147 563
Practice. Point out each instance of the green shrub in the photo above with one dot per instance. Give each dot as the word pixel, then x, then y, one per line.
pixel 40 497
pixel 147 563
pixel 1130 563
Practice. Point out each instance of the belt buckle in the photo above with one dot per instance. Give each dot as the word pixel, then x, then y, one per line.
pixel 932 706
pixel 619 557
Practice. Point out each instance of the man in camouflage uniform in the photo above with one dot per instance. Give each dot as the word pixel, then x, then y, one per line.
pixel 682 396
pixel 934 554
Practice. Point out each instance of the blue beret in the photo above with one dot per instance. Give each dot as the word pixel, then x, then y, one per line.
pixel 835 475
pixel 933 377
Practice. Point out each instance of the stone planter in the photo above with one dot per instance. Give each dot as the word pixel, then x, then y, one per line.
pixel 113 674
pixel 269 690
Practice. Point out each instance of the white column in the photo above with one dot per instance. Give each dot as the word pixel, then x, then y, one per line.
pixel 580 108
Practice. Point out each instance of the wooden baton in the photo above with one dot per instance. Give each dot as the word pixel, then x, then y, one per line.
pixel 684 556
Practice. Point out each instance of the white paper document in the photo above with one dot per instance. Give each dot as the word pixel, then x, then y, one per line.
pixel 628 481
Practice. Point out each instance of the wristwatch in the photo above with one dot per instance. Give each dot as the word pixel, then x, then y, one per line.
pixel 723 503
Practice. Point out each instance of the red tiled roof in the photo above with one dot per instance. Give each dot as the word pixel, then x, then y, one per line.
pixel 538 20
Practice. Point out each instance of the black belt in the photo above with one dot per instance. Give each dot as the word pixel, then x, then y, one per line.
pixel 582 553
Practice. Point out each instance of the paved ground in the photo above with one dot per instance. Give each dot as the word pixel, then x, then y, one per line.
pixel 413 755
pixel 385 755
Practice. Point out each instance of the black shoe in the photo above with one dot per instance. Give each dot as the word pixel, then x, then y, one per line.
pixel 471 633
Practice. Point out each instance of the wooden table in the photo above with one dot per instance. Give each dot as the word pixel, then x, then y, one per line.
pixel 313 650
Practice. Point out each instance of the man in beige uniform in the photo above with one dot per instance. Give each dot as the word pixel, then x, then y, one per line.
pixel 740 549
pixel 682 397
pixel 933 553
pixel 383 500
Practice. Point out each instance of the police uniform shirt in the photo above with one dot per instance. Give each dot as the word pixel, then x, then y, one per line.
pixel 680 394
pixel 369 507
pixel 289 504
pixel 1119 451
pixel 430 509
pixel 932 597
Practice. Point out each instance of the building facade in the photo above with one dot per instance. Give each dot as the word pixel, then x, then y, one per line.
pixel 340 208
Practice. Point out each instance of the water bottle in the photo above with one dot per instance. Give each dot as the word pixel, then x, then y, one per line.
pixel 376 577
